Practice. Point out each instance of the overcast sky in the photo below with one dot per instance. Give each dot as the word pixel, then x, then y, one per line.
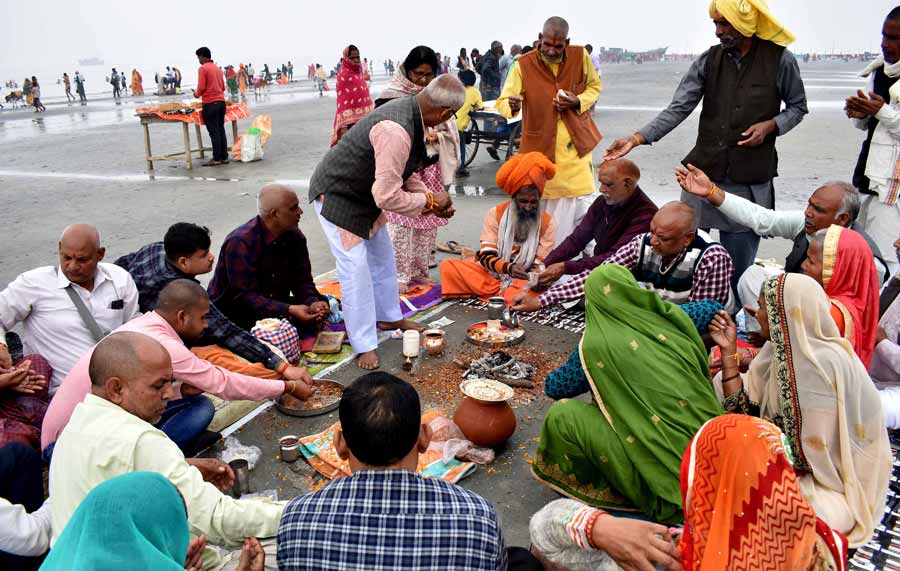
pixel 58 32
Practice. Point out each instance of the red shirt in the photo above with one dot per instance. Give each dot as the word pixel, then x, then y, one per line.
pixel 210 83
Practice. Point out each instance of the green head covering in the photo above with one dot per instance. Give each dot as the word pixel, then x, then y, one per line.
pixel 136 521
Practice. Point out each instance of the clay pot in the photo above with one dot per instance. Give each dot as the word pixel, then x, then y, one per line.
pixel 487 423
pixel 435 341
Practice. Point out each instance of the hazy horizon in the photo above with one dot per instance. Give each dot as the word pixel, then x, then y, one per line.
pixel 277 31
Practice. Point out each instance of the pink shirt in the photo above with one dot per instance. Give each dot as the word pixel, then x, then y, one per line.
pixel 186 366
pixel 391 145
pixel 210 83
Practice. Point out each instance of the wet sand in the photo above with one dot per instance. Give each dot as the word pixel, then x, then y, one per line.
pixel 86 163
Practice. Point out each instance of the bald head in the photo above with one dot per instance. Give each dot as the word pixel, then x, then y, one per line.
pixel 672 229
pixel 279 208
pixel 554 39
pixel 80 235
pixel 122 355
pixel 618 180
pixel 181 295
pixel 79 254
pixel 622 168
pixel 556 27
pixel 134 372
pixel 835 202
pixel 184 304
pixel 679 215
pixel 274 196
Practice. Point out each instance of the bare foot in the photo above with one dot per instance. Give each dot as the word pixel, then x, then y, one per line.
pixel 425 281
pixel 468 254
pixel 368 360
pixel 403 287
pixel 404 324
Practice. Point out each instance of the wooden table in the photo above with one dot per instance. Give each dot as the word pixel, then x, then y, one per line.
pixel 148 119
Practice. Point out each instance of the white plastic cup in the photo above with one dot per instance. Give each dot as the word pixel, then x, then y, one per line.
pixel 411 343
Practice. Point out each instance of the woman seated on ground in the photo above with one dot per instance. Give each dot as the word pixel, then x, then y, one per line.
pixel 743 509
pixel 809 382
pixel 136 521
pixel 841 261
pixel 645 364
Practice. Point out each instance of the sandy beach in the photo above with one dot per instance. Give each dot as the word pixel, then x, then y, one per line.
pixel 86 163
pixel 79 163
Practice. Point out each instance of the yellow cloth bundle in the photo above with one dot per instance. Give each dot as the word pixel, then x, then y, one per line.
pixel 752 18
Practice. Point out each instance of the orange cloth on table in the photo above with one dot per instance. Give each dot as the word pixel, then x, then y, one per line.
pixel 227 360
pixel 468 278
pixel 523 170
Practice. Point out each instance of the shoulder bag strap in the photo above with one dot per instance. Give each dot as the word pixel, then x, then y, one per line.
pixel 97 332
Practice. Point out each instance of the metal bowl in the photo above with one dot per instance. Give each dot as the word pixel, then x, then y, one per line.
pixel 287 404
pixel 516 337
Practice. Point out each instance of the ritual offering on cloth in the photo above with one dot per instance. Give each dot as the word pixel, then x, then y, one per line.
pixel 329 342
pixel 326 398
pixel 318 449
pixel 488 334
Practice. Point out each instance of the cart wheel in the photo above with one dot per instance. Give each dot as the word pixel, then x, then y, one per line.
pixel 473 136
pixel 515 137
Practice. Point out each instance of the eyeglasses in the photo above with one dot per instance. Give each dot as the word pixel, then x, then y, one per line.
pixel 420 75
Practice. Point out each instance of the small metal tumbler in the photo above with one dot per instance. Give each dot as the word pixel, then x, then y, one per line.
pixel 290 450
pixel 241 484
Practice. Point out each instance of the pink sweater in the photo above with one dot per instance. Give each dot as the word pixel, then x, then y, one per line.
pixel 187 368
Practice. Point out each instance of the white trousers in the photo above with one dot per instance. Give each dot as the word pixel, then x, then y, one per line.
pixel 882 223
pixel 368 276
pixel 568 213
pixel 890 403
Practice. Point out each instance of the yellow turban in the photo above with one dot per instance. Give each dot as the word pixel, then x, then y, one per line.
pixel 525 169
pixel 752 18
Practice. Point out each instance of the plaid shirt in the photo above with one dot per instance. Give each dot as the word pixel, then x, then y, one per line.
pixel 151 272
pixel 260 276
pixel 391 519
pixel 712 279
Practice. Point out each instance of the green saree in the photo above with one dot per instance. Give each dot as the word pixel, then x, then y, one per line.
pixel 648 372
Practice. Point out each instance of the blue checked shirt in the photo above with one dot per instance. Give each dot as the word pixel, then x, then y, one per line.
pixel 390 519
pixel 152 272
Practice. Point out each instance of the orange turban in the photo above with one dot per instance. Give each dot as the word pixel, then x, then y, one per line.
pixel 525 169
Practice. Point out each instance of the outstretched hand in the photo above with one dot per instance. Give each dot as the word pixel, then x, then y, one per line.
pixel 693 181
pixel 724 332
pixel 619 148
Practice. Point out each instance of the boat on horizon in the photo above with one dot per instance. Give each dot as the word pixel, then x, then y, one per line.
pixel 90 61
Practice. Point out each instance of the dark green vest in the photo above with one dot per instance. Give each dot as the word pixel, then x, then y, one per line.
pixel 733 100
pixel 346 174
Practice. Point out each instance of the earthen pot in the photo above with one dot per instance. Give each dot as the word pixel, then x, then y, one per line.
pixel 484 415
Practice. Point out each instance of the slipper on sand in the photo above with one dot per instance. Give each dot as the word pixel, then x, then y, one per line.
pixel 449 247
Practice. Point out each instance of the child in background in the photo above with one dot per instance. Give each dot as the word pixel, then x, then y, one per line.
pixel 473 103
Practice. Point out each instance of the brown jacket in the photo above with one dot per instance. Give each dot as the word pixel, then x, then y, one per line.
pixel 539 87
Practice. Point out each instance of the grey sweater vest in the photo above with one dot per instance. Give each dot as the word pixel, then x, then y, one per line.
pixel 346 174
